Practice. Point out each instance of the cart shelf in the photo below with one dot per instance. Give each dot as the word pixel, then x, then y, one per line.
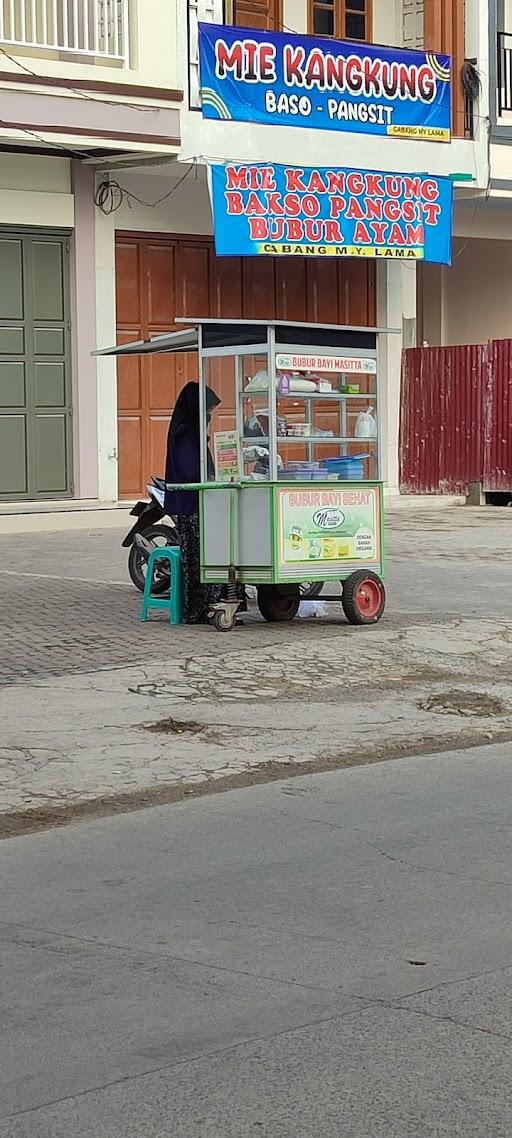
pixel 335 396
pixel 258 440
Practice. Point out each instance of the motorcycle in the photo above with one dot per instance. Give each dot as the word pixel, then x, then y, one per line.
pixel 159 529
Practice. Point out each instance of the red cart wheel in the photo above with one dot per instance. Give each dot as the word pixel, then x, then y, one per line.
pixel 363 597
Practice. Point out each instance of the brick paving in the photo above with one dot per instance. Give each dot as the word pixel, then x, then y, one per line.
pixel 54 627
pixel 77 616
pixel 82 612
pixel 88 618
pixel 59 627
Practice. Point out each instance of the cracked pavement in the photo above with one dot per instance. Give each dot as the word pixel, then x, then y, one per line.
pixel 86 685
pixel 254 708
pixel 325 956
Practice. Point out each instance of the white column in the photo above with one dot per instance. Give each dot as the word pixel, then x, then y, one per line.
pixel 396 308
pixel 107 368
pixel 84 334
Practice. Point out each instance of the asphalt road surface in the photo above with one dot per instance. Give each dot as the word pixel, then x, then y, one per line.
pixel 329 957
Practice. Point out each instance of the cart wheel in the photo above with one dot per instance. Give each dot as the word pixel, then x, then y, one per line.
pixel 278 602
pixel 363 597
pixel 222 622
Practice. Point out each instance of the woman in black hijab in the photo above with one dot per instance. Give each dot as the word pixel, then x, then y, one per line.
pixel 183 465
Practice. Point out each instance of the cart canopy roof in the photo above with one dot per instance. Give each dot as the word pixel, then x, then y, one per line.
pixel 232 333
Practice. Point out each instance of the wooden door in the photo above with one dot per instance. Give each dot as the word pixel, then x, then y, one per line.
pixel 156 279
pixel 161 277
pixel 444 31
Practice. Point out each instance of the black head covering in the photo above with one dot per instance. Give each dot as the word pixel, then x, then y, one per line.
pixel 182 462
pixel 185 418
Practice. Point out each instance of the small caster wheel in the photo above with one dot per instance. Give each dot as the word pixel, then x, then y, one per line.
pixel 222 621
pixel 363 597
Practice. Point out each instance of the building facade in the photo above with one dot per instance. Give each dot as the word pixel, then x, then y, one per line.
pixel 106 220
pixel 85 86
pixel 471 302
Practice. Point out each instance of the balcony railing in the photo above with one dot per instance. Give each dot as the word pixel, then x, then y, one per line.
pixel 204 12
pixel 89 29
pixel 504 73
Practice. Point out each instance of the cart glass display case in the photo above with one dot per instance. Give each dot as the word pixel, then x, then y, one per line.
pixel 316 417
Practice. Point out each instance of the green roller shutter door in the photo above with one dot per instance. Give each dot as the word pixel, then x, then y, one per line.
pixel 35 371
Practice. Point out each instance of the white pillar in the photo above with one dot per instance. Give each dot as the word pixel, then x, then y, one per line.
pixel 84 334
pixel 107 368
pixel 396 308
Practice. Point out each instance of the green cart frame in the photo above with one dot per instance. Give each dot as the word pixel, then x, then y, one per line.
pixel 275 530
pixel 245 538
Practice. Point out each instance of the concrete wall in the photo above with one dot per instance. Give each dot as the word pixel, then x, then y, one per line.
pixel 430 306
pixel 478 292
pixel 472 301
pixel 295 16
pixel 36 191
pixel 506 22
pixel 501 161
pixel 186 211
pixel 233 141
pixel 153 58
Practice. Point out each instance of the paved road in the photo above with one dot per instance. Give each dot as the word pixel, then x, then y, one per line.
pixel 71 607
pixel 328 957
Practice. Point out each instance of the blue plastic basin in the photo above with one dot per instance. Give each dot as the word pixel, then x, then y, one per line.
pixel 348 467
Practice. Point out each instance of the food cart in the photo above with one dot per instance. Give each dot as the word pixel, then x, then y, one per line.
pixel 296 493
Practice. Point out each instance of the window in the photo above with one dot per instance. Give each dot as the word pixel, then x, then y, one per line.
pixel 264 14
pixel 342 19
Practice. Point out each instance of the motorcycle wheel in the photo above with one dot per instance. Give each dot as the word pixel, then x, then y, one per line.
pixel 278 602
pixel 137 565
pixel 311 590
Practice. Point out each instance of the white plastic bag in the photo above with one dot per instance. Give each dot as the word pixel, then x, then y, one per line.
pixel 366 425
pixel 313 610
pixel 259 382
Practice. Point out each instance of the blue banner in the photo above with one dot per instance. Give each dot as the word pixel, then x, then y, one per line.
pixel 288 80
pixel 292 211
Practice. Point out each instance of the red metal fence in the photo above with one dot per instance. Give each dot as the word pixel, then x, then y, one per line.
pixel 497 474
pixel 456 418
